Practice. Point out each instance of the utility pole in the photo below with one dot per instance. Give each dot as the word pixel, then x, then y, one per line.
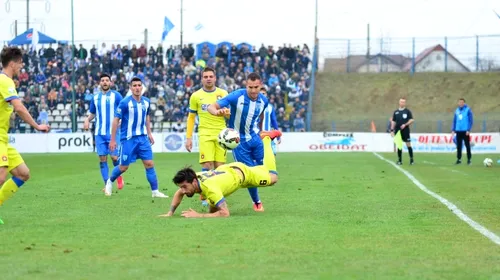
pixel 27 14
pixel 182 14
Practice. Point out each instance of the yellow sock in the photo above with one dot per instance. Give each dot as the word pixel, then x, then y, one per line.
pixel 269 159
pixel 7 191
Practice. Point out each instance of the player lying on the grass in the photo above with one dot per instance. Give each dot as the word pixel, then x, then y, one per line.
pixel 217 184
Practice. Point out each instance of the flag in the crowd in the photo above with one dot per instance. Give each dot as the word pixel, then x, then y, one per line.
pixel 34 39
pixel 496 14
pixel 398 140
pixel 198 26
pixel 167 27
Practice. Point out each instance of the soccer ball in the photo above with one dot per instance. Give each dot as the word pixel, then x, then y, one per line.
pixel 229 139
pixel 487 162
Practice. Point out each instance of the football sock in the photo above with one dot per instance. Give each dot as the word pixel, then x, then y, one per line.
pixel 254 194
pixel 115 173
pixel 115 162
pixel 104 171
pixel 269 158
pixel 9 188
pixel 410 151
pixel 400 152
pixel 152 179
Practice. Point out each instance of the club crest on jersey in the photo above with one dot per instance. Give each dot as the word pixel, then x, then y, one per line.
pixel 204 107
pixel 404 116
pixel 124 157
pixel 219 97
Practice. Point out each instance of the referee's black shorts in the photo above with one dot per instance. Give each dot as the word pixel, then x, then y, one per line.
pixel 405 134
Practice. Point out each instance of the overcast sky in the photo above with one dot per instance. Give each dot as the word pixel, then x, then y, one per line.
pixel 266 21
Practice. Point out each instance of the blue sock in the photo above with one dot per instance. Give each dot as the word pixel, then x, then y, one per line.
pixel 152 179
pixel 254 194
pixel 115 162
pixel 104 171
pixel 205 169
pixel 115 173
pixel 17 181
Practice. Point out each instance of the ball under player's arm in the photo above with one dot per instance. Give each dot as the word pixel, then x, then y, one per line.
pixel 25 115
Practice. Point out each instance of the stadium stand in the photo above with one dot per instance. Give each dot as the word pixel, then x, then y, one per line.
pixel 170 76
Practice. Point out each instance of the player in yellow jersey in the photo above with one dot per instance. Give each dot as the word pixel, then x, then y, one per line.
pixel 212 155
pixel 218 184
pixel 10 160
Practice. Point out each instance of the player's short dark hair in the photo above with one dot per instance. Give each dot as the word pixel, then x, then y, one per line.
pixel 104 75
pixel 253 77
pixel 135 79
pixel 10 54
pixel 186 174
pixel 208 69
pixel 463 99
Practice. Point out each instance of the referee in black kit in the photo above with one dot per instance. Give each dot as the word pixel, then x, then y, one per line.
pixel 402 118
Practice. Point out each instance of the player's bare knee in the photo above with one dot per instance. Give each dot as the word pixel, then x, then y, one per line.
pixel 148 164
pixel 274 178
pixel 208 165
pixel 217 164
pixel 114 158
pixel 123 168
pixel 103 158
pixel 22 172
pixel 3 175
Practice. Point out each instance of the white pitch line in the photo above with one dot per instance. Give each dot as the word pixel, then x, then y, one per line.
pixel 459 213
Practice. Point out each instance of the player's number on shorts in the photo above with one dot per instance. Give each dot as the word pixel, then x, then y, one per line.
pixel 263 182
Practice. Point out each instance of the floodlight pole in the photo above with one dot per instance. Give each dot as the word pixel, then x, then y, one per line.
pixel 73 73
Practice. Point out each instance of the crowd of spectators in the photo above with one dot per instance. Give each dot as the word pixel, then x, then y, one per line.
pixel 170 77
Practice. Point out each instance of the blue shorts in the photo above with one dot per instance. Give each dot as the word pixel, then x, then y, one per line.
pixel 102 145
pixel 137 147
pixel 251 152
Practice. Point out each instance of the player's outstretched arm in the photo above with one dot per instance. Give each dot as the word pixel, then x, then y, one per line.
pixel 25 115
pixel 222 211
pixel 176 201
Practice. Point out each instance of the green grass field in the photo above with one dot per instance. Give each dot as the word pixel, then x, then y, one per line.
pixel 331 216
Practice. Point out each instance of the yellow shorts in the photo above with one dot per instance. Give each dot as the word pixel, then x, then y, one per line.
pixel 210 150
pixel 9 157
pixel 257 176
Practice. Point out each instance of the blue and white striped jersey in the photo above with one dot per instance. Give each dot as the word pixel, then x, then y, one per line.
pixel 133 115
pixel 245 112
pixel 270 122
pixel 103 106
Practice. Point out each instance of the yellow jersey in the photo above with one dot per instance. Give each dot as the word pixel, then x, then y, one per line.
pixel 209 125
pixel 215 185
pixel 7 93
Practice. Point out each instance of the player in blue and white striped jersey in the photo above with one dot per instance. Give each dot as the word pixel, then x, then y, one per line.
pixel 246 113
pixel 102 107
pixel 269 121
pixel 136 137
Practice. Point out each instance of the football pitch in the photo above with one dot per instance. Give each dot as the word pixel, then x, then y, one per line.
pixel 331 216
